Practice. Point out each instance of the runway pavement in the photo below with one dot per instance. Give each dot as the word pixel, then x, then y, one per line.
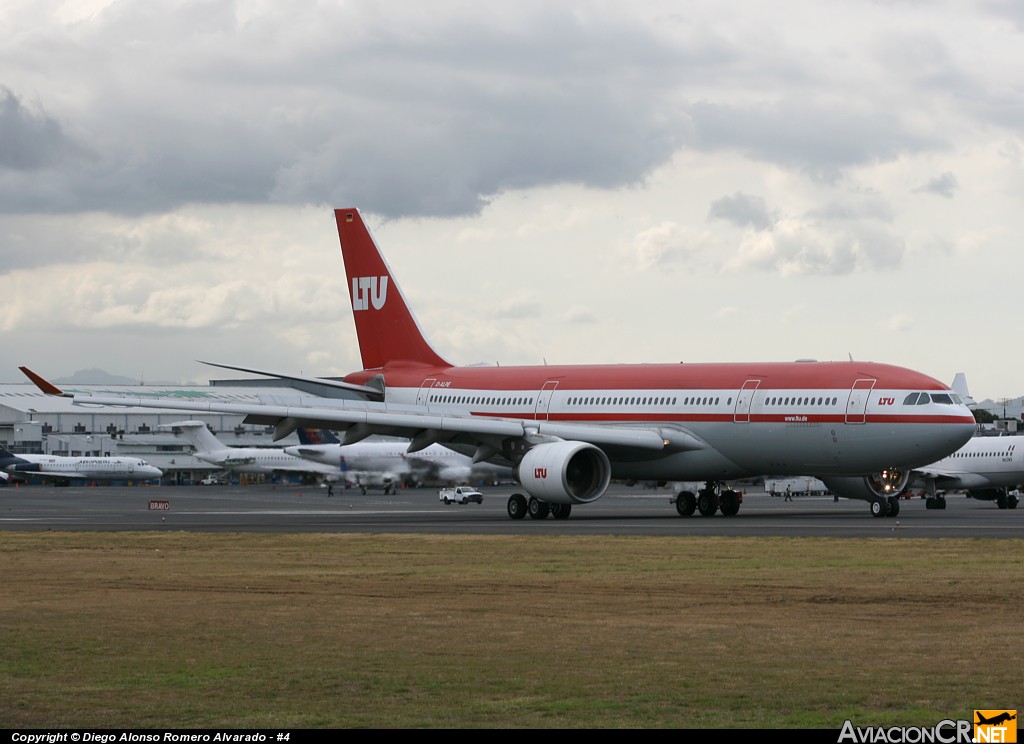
pixel 622 511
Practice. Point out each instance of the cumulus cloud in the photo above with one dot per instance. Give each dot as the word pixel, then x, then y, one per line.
pixel 579 316
pixel 660 245
pixel 30 139
pixel 407 113
pixel 821 141
pixel 797 247
pixel 943 185
pixel 158 155
pixel 899 322
pixel 403 111
pixel 742 210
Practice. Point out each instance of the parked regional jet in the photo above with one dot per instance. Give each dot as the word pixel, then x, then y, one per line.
pixel 246 459
pixel 65 469
pixel 570 429
pixel 386 464
pixel 986 467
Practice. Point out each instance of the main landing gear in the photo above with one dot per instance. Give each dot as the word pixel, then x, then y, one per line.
pixel 1006 499
pixel 885 507
pixel 518 507
pixel 708 500
pixel 933 500
pixel 712 498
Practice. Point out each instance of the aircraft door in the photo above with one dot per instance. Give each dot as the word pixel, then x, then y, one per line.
pixel 423 394
pixel 544 400
pixel 744 399
pixel 857 405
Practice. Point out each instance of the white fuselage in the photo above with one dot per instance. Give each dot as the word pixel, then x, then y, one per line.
pixel 391 461
pixel 984 462
pixel 736 432
pixel 261 460
pixel 92 468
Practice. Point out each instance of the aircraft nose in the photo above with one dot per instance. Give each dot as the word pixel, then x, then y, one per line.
pixel 961 433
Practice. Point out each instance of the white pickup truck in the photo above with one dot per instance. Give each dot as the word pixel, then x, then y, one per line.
pixel 460 495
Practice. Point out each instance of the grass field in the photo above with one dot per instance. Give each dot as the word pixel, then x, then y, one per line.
pixel 148 630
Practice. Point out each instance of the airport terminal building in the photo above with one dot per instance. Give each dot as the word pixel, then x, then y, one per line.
pixel 34 423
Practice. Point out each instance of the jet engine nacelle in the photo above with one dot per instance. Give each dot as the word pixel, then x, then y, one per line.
pixel 565 472
pixel 24 467
pixel 869 488
pixel 987 494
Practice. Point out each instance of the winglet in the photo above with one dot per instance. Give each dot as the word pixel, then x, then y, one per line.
pixel 47 387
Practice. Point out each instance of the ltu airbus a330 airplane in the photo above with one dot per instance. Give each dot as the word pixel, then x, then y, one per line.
pixel 570 429
pixel 66 469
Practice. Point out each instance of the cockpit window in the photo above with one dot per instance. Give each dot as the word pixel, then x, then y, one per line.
pixel 922 399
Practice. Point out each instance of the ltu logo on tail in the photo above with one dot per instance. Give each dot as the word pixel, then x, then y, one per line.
pixel 367 290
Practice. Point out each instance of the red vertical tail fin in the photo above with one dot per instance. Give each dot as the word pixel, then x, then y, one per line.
pixel 385 326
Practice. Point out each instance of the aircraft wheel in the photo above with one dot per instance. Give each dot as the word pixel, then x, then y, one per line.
pixel 940 502
pixel 879 508
pixel 516 506
pixel 561 511
pixel 686 504
pixel 729 503
pixel 1001 500
pixel 538 509
pixel 707 504
pixel 1012 501
pixel 894 506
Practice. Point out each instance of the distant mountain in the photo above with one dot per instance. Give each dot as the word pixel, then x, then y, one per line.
pixel 100 377
pixel 1012 407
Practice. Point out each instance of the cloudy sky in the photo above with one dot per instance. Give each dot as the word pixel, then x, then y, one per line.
pixel 552 182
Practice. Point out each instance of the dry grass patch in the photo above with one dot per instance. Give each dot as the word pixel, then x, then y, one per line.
pixel 180 629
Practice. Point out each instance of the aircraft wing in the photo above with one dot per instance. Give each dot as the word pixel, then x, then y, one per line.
pixel 411 421
pixel 361 418
pixel 374 393
pixel 424 426
pixel 424 468
pixel 949 480
pixel 63 474
pixel 307 452
pixel 306 466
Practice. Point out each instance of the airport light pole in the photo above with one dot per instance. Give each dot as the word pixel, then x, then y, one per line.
pixel 101 437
